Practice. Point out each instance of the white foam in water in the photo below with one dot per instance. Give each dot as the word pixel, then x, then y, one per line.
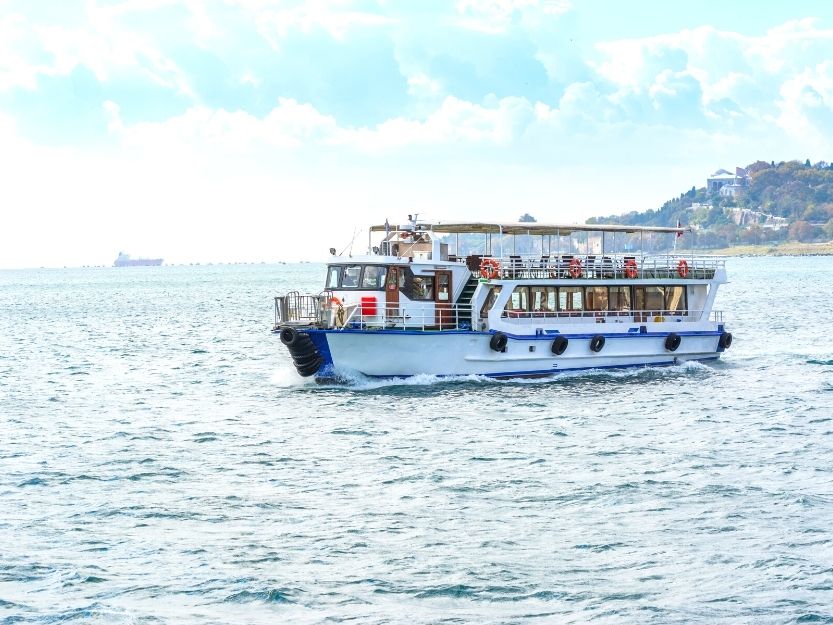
pixel 287 377
pixel 355 380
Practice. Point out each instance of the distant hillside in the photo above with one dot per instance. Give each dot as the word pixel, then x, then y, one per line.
pixel 776 202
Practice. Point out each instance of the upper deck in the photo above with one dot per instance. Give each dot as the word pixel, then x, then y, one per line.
pixel 575 251
pixel 414 278
pixel 597 267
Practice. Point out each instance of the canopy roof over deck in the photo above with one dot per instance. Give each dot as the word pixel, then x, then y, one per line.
pixel 528 228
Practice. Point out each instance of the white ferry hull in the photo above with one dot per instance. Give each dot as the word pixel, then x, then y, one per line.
pixel 456 353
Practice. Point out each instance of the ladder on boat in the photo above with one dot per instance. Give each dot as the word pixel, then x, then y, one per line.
pixel 464 302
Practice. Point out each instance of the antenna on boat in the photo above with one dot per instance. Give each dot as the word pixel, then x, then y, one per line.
pixel 349 246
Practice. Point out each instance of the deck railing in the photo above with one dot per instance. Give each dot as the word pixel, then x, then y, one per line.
pixel 300 309
pixel 605 267
pixel 614 316
pixel 319 311
pixel 322 311
pixel 443 317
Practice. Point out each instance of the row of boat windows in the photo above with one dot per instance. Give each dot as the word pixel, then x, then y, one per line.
pixel 543 299
pixel 369 277
pixel 375 277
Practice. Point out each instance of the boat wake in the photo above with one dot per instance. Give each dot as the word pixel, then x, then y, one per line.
pixel 354 381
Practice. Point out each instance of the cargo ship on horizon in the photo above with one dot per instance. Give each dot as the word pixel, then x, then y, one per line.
pixel 124 260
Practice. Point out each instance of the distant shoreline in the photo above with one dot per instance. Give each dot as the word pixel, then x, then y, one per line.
pixel 780 249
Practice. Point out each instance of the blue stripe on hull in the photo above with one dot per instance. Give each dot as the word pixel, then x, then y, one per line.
pixel 319 339
pixel 549 372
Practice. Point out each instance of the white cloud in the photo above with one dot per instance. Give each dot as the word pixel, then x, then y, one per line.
pixel 275 21
pixel 15 69
pixel 102 44
pixel 497 16
pixel 291 125
pixel 731 78
pixel 807 105
pixel 421 86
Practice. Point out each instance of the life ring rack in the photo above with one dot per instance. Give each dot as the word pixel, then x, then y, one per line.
pixel 489 268
pixel 575 269
pixel 631 268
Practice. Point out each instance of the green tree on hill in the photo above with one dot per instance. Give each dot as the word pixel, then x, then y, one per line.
pixel 796 191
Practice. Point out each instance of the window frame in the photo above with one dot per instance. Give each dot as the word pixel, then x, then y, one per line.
pixel 489 302
pixel 520 311
pixel 428 293
pixel 342 267
pixel 606 297
pixel 620 311
pixel 666 290
pixel 380 283
pixel 571 312
pixel 546 291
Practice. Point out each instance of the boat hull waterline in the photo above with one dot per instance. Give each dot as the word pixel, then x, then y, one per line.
pixel 398 354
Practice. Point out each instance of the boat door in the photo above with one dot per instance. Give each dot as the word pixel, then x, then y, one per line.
pixel 442 299
pixel 392 292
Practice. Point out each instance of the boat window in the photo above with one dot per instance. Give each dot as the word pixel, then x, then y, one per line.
pixel 619 298
pixel 350 277
pixel 543 298
pixel 423 288
pixel 443 284
pixel 519 300
pixel 490 301
pixel 596 298
pixel 374 276
pixel 571 298
pixel 391 281
pixel 650 298
pixel 675 299
pixel 333 275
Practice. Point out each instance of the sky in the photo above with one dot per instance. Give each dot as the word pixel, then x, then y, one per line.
pixel 267 130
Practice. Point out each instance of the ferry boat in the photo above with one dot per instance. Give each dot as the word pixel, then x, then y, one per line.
pixel 409 307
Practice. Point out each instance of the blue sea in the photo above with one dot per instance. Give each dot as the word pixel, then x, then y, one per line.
pixel 161 462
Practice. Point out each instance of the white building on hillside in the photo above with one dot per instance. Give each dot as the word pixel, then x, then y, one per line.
pixel 727 184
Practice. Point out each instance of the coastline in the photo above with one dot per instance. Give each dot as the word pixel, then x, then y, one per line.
pixel 781 249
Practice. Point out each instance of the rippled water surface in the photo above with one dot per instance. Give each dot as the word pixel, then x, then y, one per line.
pixel 161 462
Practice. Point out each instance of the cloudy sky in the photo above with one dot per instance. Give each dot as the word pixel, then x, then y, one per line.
pixel 248 130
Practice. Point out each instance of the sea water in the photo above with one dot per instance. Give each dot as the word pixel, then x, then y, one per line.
pixel 161 462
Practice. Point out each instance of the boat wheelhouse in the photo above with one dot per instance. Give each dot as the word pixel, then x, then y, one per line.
pixel 580 301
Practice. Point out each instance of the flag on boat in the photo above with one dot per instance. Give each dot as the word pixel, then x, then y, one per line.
pixel 679 225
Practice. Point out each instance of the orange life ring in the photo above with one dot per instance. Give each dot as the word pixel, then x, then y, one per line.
pixel 631 270
pixel 336 301
pixel 682 268
pixel 576 270
pixel 489 268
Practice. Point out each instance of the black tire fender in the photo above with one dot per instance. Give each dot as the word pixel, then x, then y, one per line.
pixel 498 341
pixel 672 342
pixel 597 343
pixel 300 363
pixel 725 341
pixel 311 368
pixel 559 345
pixel 288 335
